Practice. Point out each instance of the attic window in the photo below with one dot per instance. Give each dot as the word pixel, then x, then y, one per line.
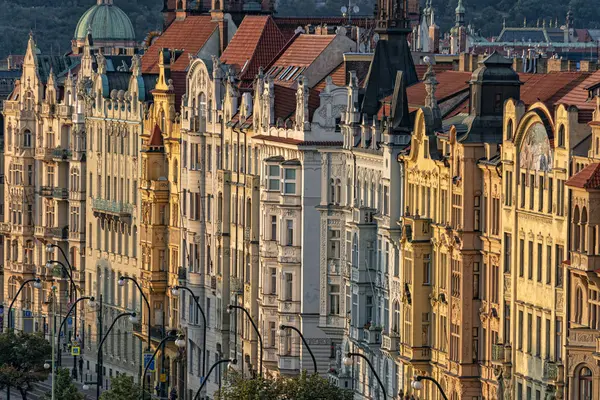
pixel 284 73
pixel 291 74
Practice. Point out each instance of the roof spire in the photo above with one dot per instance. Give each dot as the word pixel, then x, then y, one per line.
pixel 431 102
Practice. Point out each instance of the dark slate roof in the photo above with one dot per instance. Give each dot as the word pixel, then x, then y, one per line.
pixel 391 55
pixel 58 64
pixel 522 35
pixel 581 148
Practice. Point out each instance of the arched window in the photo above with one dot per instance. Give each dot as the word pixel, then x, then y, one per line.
pixel 396 317
pixel 585 384
pixel 561 136
pixel 509 130
pixel 578 305
pixel 575 229
pixel 163 121
pixel 583 224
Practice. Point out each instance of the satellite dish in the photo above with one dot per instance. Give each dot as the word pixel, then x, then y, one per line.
pixel 344 9
pixel 355 9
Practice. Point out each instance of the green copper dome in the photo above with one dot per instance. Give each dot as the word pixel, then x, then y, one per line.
pixel 107 22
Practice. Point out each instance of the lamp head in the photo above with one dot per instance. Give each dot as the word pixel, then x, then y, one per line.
pixel 48 264
pixel 180 342
pixel 37 283
pixel 46 365
pixel 232 363
pixel 121 281
pixel 281 332
pixel 86 387
pixel 417 384
pixel 133 318
pixel 175 291
pixel 49 248
pixel 229 309
pixel 347 361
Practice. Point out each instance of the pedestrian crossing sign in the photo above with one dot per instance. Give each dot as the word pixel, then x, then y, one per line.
pixel 75 350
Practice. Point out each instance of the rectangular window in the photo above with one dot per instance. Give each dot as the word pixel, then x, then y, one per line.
pixel 273 227
pixel 209 158
pixel 288 286
pixel 289 181
pixel 507 251
pixel 558 340
pixel 559 257
pixel 386 200
pixel 334 299
pixel 506 322
pixel 495 283
pixel 539 262
pixel 426 269
pixel 547 348
pixel 530 261
pixel 529 332
pixel 289 237
pixel 273 281
pixel 520 331
pixel 531 191
pixel 273 177
pixel 521 257
pixel 548 264
pixel 272 333
pixel 538 336
pixel 476 284
pixel 541 194
pixel 549 209
pixel 560 201
pixel 522 191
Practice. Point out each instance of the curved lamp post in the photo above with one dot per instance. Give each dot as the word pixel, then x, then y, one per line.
pixel 260 342
pixel 121 282
pixel 231 362
pixel 37 283
pixel 417 384
pixel 133 319
pixel 72 296
pixel 175 291
pixel 282 333
pixel 90 298
pixel 348 361
pixel 179 342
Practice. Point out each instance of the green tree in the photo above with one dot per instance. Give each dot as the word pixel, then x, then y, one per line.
pixel 65 389
pixel 122 387
pixel 22 358
pixel 302 387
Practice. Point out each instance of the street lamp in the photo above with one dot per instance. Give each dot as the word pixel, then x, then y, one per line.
pixel 417 384
pixel 121 282
pixel 91 299
pixel 37 283
pixel 228 361
pixel 179 342
pixel 176 291
pixel 282 329
pixel 348 362
pixel 133 319
pixel 260 342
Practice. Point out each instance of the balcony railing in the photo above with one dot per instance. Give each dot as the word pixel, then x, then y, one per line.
pixel 60 193
pixel 498 353
pixel 112 207
pixel 550 370
pixel 65 111
pixel 60 233
pixel 61 154
pixel 46 191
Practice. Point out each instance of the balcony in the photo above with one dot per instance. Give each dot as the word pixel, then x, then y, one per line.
pixel 65 111
pixel 289 254
pixel 60 233
pixel 372 335
pixel 77 236
pixel 416 229
pixel 498 352
pixel 60 193
pixel 289 363
pixel 5 228
pixel 584 262
pixel 115 208
pixel 46 191
pixel 550 371
pixel 42 153
pixel 60 154
pixel 236 285
pixel 198 124
pixel 48 109
pixel 390 343
pixel 268 248
pixel 364 215
pixel 43 232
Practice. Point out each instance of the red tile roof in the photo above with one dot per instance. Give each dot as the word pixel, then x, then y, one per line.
pixel 338 76
pixel 587 178
pixel 255 44
pixel 285 102
pixel 449 84
pixel 422 68
pixel 189 35
pixel 304 50
pixel 156 139
pixel 295 141
pixel 579 95
pixel 549 88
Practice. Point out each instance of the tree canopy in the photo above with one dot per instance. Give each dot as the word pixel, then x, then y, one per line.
pixel 22 358
pixel 122 387
pixel 65 388
pixel 302 387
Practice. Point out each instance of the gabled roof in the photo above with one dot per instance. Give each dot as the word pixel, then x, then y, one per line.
pixel 189 35
pixel 549 88
pixel 255 44
pixel 587 178
pixel 285 102
pixel 156 139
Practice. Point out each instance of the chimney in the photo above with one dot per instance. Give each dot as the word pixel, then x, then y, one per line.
pixel 542 65
pixel 588 66
pixel 518 64
pixel 557 65
pixel 464 62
